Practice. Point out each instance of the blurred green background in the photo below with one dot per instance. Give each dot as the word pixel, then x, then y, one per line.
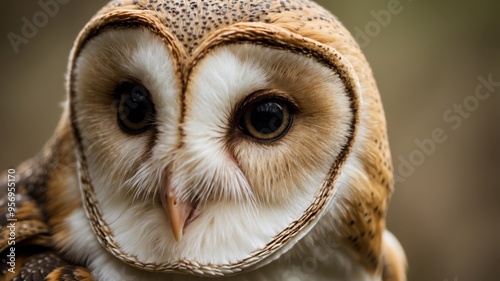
pixel 427 60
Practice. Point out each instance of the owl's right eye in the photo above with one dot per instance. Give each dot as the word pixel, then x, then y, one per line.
pixel 135 110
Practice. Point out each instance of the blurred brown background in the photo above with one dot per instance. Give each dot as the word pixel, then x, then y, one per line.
pixel 427 59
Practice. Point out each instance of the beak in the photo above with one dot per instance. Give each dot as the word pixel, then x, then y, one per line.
pixel 178 212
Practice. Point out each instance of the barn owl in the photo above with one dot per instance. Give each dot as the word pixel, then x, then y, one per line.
pixel 243 140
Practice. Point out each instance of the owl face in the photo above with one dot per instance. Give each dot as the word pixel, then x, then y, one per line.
pixel 217 155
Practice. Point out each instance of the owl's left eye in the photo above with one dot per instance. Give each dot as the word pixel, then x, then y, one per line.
pixel 135 108
pixel 267 119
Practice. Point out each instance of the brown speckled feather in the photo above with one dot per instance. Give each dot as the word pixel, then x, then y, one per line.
pixel 38 216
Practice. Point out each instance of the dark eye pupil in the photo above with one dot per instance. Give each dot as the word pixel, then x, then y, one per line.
pixel 267 117
pixel 135 109
pixel 138 95
pixel 136 106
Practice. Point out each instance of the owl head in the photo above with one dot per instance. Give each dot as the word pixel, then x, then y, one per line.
pixel 212 136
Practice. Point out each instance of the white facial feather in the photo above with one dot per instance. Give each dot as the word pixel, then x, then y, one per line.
pixel 220 83
pixel 234 220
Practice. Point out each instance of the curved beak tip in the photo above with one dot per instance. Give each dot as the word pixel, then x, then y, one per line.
pixel 177 212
